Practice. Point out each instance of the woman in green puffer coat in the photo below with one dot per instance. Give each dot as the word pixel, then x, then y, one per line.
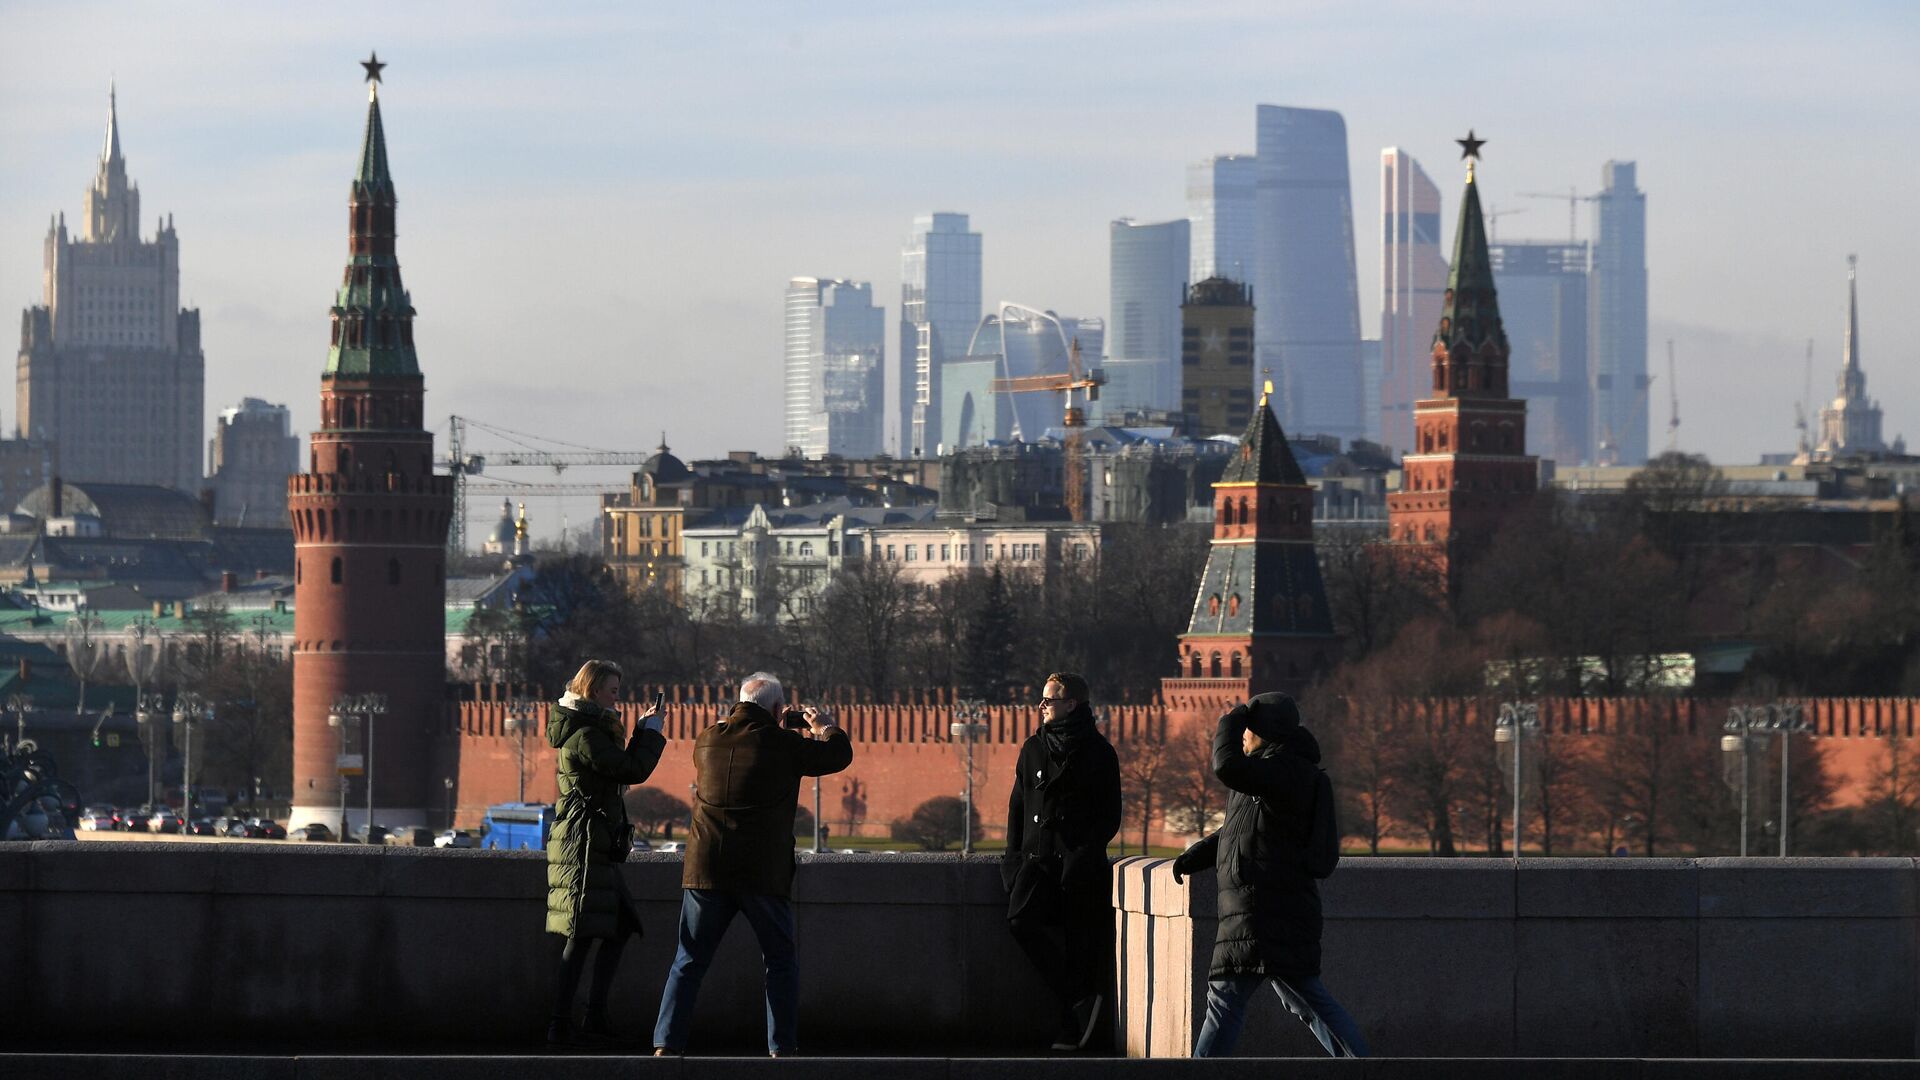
pixel 587 898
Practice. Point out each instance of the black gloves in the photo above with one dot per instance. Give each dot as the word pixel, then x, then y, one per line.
pixel 1182 866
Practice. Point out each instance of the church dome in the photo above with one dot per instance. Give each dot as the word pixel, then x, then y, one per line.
pixel 500 540
pixel 664 467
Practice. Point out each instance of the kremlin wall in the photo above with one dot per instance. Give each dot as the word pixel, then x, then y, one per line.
pixel 902 756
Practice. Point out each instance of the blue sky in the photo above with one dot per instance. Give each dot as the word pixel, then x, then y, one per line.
pixel 600 203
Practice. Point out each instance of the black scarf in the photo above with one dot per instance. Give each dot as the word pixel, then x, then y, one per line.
pixel 1066 735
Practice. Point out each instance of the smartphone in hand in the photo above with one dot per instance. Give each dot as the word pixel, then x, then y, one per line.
pixel 659 701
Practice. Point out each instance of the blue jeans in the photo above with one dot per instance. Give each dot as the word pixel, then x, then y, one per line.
pixel 1227 1013
pixel 704 918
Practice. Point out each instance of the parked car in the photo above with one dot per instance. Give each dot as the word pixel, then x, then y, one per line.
pixel 164 820
pixel 228 825
pixel 362 835
pixel 200 827
pixel 268 828
pixel 313 831
pixel 672 846
pixel 454 838
pixel 100 819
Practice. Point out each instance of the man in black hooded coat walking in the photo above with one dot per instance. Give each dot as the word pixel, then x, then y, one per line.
pixel 1269 904
pixel 1062 814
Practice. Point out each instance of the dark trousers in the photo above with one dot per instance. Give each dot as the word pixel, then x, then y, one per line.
pixel 704 917
pixel 1068 937
pixel 573 959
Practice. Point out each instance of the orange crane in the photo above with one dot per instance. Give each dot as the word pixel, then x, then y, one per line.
pixel 1075 420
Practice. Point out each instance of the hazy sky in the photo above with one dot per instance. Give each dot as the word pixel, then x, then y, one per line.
pixel 600 207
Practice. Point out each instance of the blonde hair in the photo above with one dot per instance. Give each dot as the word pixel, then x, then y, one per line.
pixel 591 675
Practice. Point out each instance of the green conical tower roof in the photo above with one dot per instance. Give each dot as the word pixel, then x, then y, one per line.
pixel 372 313
pixel 373 148
pixel 1470 314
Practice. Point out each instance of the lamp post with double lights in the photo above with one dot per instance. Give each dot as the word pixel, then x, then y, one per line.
pixel 19 705
pixel 346 710
pixel 447 782
pixel 1517 722
pixel 968 727
pixel 1749 729
pixel 188 709
pixel 83 649
pixel 143 663
pixel 522 717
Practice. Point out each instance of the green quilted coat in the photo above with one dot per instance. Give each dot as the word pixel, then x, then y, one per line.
pixel 592 768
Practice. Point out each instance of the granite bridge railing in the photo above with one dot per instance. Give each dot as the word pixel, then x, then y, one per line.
pixel 138 943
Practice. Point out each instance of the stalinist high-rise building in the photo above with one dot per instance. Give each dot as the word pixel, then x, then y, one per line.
pixel 110 370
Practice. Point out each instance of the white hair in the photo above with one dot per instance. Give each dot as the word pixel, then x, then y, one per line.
pixel 763 689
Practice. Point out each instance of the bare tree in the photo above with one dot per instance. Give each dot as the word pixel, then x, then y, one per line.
pixel 1192 796
pixel 1145 768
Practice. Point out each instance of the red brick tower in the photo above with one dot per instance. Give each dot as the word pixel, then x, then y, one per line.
pixel 1260 620
pixel 1468 468
pixel 370 525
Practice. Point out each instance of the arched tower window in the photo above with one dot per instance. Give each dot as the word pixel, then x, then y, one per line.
pixel 1236 665
pixel 346 414
pixel 1213 665
pixel 1195 657
pixel 336 569
pixel 1233 605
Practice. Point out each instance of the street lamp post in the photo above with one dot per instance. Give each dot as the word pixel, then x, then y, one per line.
pixel 447 782
pixel 1749 727
pixel 83 649
pixel 346 709
pixel 188 707
pixel 520 717
pixel 967 728
pixel 143 663
pixel 1515 722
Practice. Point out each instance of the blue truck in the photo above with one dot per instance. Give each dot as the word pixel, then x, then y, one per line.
pixel 518 827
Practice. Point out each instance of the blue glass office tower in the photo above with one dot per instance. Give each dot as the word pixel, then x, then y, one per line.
pixel 939 309
pixel 835 374
pixel 1220 194
pixel 1617 287
pixel 1306 294
pixel 1147 282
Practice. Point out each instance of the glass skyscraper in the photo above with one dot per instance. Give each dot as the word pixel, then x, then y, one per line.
pixel 1543 302
pixel 1413 280
pixel 1618 311
pixel 1148 281
pixel 1306 293
pixel 939 308
pixel 836 375
pixel 1220 205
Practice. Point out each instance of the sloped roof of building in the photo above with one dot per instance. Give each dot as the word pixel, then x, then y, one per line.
pixel 142 511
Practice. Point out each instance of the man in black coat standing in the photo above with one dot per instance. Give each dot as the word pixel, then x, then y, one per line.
pixel 1269 904
pixel 1064 810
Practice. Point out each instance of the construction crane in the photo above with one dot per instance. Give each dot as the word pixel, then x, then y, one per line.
pixel 1574 199
pixel 1075 420
pixel 1609 450
pixel 1493 216
pixel 1805 447
pixel 1673 403
pixel 463 464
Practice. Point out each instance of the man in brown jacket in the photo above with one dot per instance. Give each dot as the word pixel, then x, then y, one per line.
pixel 739 858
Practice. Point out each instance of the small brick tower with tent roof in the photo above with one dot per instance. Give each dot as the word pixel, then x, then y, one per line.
pixel 1260 619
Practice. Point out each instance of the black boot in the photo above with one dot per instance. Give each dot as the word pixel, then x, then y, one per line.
pixel 598 1025
pixel 559 1031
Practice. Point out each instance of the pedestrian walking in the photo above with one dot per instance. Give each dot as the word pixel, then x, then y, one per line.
pixel 1062 813
pixel 739 858
pixel 587 898
pixel 1269 902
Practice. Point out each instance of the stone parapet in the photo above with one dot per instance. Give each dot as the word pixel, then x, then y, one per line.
pixel 1561 958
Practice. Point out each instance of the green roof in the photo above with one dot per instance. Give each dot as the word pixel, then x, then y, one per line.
pixel 1470 314
pixel 372 297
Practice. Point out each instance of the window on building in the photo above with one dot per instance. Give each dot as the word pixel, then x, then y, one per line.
pixel 1214 665
pixel 1235 665
pixel 806 549
pixel 911 551
pixel 393 571
pixel 336 569
pixel 890 554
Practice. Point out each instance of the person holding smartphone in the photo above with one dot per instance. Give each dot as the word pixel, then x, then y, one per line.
pixel 740 857
pixel 587 899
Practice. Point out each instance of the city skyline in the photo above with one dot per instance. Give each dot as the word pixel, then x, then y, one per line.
pixel 531 140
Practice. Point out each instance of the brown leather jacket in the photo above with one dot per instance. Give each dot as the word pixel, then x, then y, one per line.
pixel 749 769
